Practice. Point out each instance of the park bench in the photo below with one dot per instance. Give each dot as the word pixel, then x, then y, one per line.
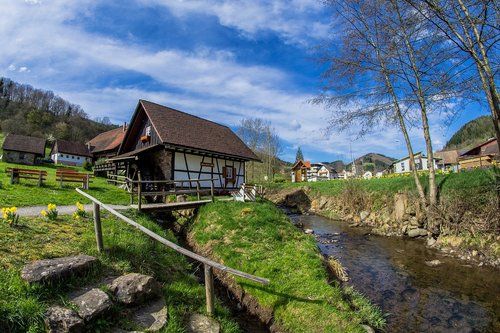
pixel 18 173
pixel 64 175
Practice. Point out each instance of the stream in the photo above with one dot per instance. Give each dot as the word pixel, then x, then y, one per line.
pixel 392 272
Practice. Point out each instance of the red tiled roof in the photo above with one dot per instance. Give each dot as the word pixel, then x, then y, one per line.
pixel 25 144
pixel 107 141
pixel 181 129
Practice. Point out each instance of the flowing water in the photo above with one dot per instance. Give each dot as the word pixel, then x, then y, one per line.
pixel 392 272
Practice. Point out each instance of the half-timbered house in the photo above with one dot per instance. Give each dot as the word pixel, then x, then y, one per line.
pixel 166 144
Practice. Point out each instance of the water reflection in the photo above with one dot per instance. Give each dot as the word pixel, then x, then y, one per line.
pixel 449 297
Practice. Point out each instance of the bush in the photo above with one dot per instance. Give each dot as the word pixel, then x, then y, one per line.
pixel 87 165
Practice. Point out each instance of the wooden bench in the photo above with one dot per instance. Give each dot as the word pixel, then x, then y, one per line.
pixel 64 175
pixel 18 173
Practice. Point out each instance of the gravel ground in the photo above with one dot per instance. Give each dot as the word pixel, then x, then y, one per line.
pixel 63 210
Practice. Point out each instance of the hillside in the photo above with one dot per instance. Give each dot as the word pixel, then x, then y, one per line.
pixel 371 162
pixel 472 133
pixel 36 112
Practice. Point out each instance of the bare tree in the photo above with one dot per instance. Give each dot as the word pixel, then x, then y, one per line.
pixel 369 94
pixel 262 138
pixel 473 27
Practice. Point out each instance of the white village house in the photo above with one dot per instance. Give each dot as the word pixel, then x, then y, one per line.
pixel 70 153
pixel 421 161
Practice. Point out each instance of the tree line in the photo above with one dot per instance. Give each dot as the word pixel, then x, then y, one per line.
pixel 35 112
pixel 398 61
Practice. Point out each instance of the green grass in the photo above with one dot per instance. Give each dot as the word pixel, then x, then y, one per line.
pixel 259 239
pixel 126 250
pixel 27 192
pixel 477 181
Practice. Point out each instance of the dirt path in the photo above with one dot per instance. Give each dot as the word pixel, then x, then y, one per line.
pixel 63 210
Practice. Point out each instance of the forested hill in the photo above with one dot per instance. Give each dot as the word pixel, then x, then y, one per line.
pixel 35 112
pixel 472 133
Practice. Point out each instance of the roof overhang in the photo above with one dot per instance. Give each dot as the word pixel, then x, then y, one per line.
pixel 208 153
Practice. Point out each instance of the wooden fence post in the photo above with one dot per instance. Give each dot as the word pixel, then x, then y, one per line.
pixel 139 190
pixel 97 227
pixel 209 288
pixel 198 189
pixel 212 190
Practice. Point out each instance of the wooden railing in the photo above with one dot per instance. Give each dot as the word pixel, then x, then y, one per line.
pixel 208 264
pixel 166 187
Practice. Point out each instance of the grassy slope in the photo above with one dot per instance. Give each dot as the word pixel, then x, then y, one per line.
pixel 126 250
pixel 258 238
pixel 27 193
pixel 477 181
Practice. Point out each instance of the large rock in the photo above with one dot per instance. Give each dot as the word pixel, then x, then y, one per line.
pixel 202 324
pixel 417 232
pixel 400 205
pixel 364 215
pixel 55 269
pixel 134 288
pixel 91 303
pixel 151 317
pixel 62 320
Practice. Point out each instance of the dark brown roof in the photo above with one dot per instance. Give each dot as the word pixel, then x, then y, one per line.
pixel 109 140
pixel 73 148
pixel 181 129
pixel 26 144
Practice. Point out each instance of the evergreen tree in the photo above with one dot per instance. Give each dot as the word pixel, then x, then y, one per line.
pixel 299 156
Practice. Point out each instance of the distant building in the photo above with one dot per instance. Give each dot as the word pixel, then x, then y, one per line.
pixel 481 156
pixel 299 171
pixel 448 159
pixel 23 149
pixel 70 153
pixel 421 162
pixel 106 144
pixel 303 171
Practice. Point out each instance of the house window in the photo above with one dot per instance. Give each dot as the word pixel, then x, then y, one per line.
pixel 402 166
pixel 67 156
pixel 229 173
pixel 73 157
pixel 78 158
pixel 21 156
pixel 148 131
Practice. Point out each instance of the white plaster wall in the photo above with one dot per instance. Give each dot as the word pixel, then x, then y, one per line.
pixel 68 159
pixel 192 169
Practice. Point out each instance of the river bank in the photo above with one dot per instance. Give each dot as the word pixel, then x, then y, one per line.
pixel 467 222
pixel 258 238
pixel 401 277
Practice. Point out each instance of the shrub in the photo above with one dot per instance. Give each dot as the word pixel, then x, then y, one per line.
pixel 87 165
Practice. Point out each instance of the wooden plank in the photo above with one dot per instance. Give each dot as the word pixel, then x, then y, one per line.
pixel 174 246
pixel 171 206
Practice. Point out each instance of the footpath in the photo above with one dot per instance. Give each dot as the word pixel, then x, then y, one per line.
pixel 63 210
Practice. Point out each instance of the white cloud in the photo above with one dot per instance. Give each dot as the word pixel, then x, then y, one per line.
pixel 295 20
pixel 209 83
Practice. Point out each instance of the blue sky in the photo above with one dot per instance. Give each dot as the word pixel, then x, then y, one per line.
pixel 223 60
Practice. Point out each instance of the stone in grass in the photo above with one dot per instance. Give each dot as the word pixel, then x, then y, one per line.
pixel 150 317
pixel 417 232
pixel 91 303
pixel 134 288
pixel 202 324
pixel 49 270
pixel 62 320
